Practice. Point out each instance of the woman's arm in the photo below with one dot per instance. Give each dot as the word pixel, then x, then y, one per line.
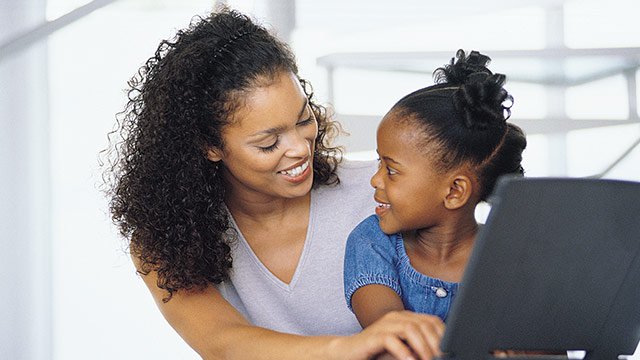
pixel 215 330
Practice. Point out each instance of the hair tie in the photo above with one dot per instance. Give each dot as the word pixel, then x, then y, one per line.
pixel 233 38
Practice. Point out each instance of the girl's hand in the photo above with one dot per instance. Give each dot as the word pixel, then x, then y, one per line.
pixel 403 334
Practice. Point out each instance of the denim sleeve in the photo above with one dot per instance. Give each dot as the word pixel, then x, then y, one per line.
pixel 370 258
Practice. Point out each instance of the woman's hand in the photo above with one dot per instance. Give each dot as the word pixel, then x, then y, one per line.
pixel 403 334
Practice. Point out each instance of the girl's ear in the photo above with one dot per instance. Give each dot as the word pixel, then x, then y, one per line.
pixel 214 154
pixel 460 189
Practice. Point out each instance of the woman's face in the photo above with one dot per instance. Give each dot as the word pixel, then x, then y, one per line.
pixel 269 145
pixel 409 190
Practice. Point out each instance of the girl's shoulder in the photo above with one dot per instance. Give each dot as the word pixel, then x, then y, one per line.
pixel 369 225
pixel 368 231
pixel 368 243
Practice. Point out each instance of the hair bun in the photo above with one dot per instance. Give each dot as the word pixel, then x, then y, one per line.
pixel 480 97
pixel 460 71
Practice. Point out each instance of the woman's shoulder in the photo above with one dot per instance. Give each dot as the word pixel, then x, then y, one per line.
pixel 347 165
pixel 356 173
pixel 351 200
pixel 353 176
pixel 356 169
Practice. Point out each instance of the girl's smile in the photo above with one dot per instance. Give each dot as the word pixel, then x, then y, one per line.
pixel 382 207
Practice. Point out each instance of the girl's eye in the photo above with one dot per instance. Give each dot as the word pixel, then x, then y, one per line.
pixel 269 148
pixel 390 171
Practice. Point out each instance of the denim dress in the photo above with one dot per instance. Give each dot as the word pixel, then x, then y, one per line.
pixel 373 257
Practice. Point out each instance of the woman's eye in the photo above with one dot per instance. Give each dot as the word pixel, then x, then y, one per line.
pixel 390 171
pixel 310 119
pixel 306 122
pixel 269 148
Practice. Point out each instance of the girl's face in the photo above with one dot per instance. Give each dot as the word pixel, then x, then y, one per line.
pixel 410 192
pixel 269 145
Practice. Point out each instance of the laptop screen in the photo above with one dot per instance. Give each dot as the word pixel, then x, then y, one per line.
pixel 556 267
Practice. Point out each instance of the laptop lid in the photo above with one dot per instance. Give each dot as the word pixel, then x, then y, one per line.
pixel 556 267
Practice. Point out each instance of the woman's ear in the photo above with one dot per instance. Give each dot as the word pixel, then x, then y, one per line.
pixel 214 154
pixel 460 189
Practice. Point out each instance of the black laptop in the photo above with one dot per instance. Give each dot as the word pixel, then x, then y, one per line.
pixel 555 268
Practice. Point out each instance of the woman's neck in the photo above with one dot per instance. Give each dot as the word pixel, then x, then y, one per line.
pixel 259 207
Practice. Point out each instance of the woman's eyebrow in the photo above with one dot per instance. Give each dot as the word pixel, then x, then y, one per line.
pixel 281 128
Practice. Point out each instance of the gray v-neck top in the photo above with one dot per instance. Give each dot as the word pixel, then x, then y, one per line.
pixel 313 302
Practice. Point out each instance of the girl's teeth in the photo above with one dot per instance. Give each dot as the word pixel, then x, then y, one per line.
pixel 384 206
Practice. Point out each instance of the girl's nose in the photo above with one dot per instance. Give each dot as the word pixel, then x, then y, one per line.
pixel 376 181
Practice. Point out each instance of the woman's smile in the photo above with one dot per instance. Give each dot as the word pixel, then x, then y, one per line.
pixel 297 173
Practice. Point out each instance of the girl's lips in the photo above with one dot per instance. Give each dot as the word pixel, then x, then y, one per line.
pixel 382 208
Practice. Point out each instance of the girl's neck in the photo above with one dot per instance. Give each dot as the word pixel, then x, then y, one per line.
pixel 445 243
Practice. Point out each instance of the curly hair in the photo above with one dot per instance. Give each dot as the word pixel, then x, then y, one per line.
pixel 166 197
pixel 465 113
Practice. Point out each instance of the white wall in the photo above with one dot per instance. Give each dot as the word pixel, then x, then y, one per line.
pixel 25 306
pixel 59 251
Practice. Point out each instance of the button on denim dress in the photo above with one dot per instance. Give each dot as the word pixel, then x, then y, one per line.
pixel 373 257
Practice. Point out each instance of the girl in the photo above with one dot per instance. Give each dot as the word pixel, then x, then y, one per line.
pixel 441 150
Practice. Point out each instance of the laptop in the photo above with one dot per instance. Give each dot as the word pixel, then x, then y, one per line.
pixel 555 268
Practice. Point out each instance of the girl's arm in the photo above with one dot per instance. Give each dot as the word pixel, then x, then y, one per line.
pixel 373 301
pixel 215 330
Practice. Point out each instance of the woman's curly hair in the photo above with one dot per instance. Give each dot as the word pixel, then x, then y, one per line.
pixel 166 197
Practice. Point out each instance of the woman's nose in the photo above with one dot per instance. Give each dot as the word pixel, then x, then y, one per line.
pixel 299 145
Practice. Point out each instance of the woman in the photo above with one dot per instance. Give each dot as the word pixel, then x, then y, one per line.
pixel 237 209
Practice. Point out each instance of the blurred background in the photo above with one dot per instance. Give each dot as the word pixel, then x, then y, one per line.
pixel 68 288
